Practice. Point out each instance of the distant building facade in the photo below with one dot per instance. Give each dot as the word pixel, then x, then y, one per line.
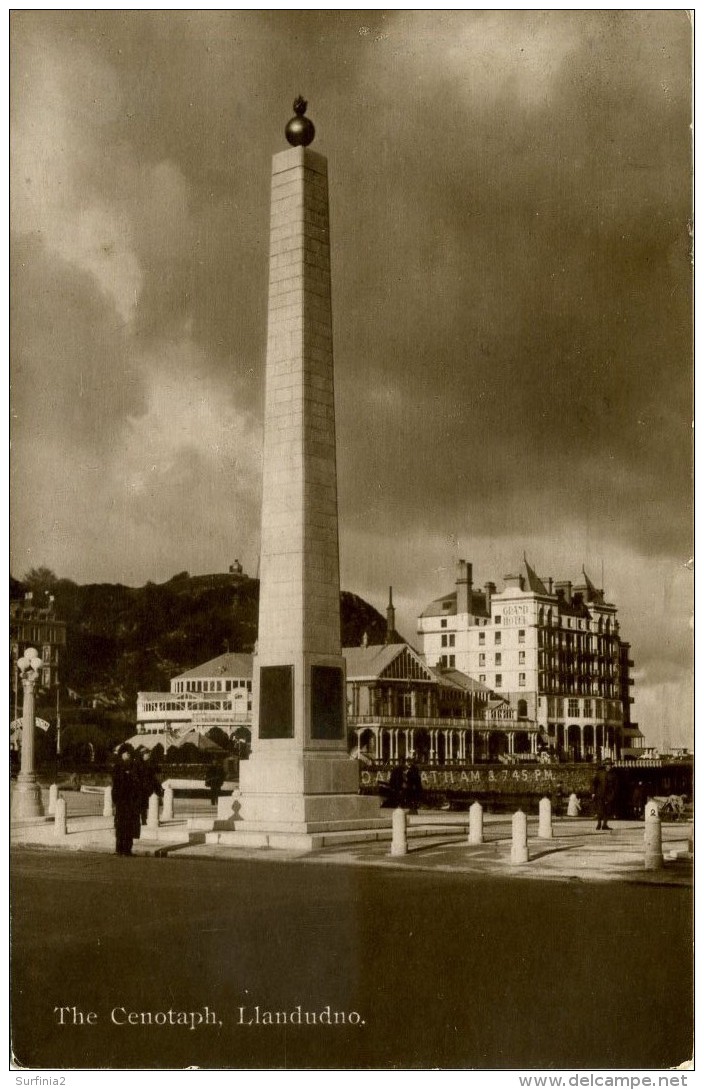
pixel 216 694
pixel 551 649
pixel 400 709
pixel 36 625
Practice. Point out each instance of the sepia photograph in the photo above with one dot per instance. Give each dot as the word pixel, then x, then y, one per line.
pixel 351 543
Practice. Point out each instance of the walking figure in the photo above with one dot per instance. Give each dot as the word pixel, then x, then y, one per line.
pixel 604 794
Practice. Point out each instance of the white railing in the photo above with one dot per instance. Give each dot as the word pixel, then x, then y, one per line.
pixel 409 723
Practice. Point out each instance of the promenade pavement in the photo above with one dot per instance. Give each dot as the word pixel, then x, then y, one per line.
pixel 437 841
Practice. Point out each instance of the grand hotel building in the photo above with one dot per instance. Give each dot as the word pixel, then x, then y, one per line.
pixel 551 649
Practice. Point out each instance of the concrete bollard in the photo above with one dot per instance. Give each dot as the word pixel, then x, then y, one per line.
pixel 153 814
pixel 60 824
pixel 476 824
pixel 573 806
pixel 53 796
pixel 167 813
pixel 107 802
pixel 519 838
pixel 399 840
pixel 545 819
pixel 653 837
pixel 228 804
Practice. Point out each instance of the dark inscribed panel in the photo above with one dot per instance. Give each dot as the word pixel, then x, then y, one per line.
pixel 326 708
pixel 276 702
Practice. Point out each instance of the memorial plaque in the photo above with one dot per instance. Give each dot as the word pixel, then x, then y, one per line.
pixel 276 702
pixel 326 708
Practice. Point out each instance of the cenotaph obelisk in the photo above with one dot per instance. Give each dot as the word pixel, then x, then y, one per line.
pixel 299 782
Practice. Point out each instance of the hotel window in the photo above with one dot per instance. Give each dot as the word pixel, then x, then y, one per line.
pixel 482 677
pixel 497 637
pixel 572 707
pixel 521 679
pixel 497 620
pixel 521 656
pixel 443 622
pixel 443 660
pixel 451 640
pixel 482 637
pixel 521 635
pixel 443 640
pixel 497 659
pixel 499 681
pixel 452 660
pixel 482 660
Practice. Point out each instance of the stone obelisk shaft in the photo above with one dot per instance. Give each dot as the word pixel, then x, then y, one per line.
pixel 300 583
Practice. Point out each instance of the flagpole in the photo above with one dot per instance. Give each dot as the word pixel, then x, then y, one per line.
pixel 58 724
pixel 15 673
pixel 472 712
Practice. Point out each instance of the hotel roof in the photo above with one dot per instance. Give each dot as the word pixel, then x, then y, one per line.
pixel 229 665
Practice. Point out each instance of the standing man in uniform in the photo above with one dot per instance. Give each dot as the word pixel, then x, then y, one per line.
pixel 126 799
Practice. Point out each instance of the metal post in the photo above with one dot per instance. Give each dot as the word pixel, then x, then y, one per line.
pixel 27 796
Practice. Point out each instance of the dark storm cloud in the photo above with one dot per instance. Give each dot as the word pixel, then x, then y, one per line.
pixel 510 206
pixel 73 377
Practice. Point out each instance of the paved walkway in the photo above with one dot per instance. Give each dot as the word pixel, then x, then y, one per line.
pixel 437 842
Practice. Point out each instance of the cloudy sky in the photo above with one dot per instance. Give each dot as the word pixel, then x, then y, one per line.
pixel 510 221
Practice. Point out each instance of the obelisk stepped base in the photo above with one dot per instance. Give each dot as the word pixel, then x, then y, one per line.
pixel 307 791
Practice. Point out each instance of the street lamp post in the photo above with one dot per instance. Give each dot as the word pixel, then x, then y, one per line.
pixel 27 796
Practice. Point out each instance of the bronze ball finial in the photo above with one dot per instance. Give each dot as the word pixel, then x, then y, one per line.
pixel 300 129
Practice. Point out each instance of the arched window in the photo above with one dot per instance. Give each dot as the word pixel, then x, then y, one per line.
pixel 522 709
pixel 541 616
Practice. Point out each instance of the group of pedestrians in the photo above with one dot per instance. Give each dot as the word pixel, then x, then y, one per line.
pixel 134 781
pixel 405 787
